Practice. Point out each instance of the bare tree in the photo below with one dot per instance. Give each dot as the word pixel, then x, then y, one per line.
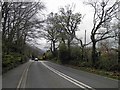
pixel 118 17
pixel 103 13
pixel 69 22
pixel 50 31
pixel 119 45
pixel 17 22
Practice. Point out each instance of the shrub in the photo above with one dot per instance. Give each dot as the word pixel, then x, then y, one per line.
pixel 7 60
pixel 85 64
pixel 49 55
pixel 107 64
pixel 63 54
pixel 76 53
pixel 10 61
pixel 74 62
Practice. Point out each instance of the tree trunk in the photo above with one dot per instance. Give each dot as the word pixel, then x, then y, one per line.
pixel 4 11
pixel 82 53
pixel 51 47
pixel 119 47
pixel 69 50
pixel 94 54
pixel 63 40
pixel 54 50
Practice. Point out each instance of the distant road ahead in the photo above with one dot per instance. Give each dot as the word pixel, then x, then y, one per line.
pixel 44 74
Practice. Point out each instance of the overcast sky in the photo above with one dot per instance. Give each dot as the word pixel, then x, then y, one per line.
pixel 54 5
pixel 85 10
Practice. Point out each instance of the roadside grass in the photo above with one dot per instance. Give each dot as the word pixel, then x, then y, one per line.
pixel 109 74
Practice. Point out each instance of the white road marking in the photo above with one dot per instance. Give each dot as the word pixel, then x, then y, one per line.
pixel 96 75
pixel 24 74
pixel 72 80
pixel 18 86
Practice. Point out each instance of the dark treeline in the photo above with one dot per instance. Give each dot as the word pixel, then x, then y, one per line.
pixel 17 22
pixel 66 48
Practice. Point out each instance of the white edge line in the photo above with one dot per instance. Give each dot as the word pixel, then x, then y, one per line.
pixel 63 76
pixel 68 77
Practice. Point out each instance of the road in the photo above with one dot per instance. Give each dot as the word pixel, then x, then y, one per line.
pixel 45 74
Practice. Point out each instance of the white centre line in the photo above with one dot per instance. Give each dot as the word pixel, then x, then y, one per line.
pixel 72 80
pixel 22 81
